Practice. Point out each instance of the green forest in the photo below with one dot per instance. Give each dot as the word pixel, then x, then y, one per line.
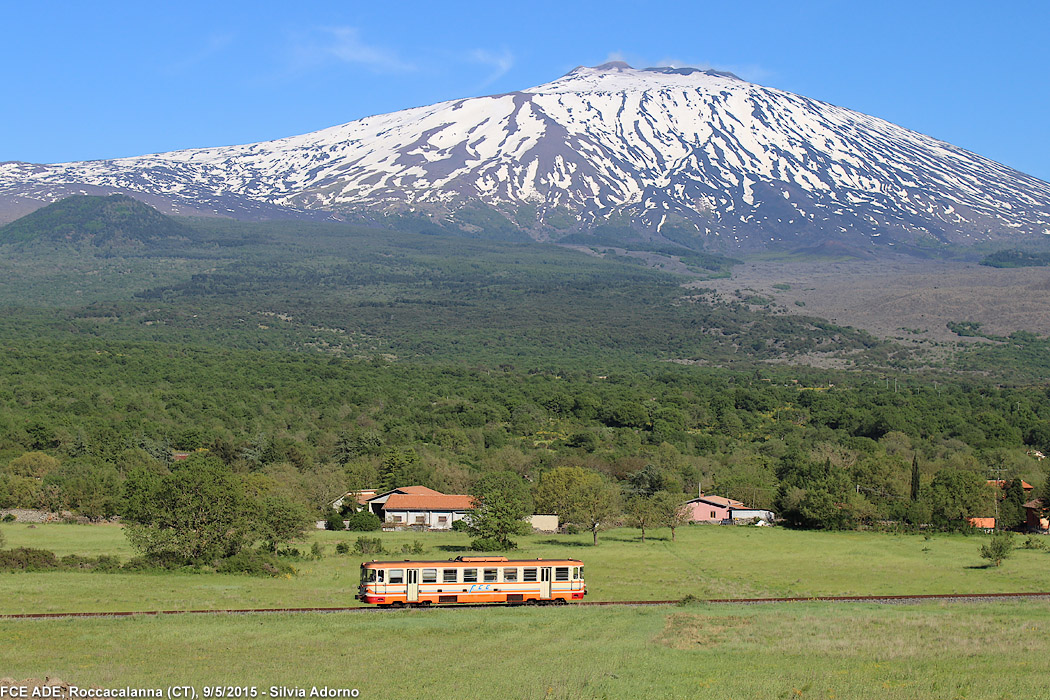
pixel 310 359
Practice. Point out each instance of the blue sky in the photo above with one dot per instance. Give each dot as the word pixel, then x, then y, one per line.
pixel 109 79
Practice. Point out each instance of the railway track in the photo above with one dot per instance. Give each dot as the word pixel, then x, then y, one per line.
pixel 884 599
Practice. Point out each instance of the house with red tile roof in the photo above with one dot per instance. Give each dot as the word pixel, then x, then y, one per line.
pixel 430 511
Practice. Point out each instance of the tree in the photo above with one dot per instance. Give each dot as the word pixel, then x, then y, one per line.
pixel 198 513
pixel 33 464
pixel 595 503
pixel 501 504
pixel 1012 514
pixel 558 489
pixel 90 491
pixel 998 548
pixel 280 521
pixel 915 478
pixel 363 521
pixel 954 495
pixel 671 510
pixel 641 512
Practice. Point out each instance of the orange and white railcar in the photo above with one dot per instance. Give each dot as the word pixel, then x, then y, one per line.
pixel 472 580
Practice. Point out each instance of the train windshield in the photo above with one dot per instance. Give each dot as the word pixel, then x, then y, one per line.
pixel 371 575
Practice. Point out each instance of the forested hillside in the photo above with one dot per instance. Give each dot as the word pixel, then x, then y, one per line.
pixel 315 358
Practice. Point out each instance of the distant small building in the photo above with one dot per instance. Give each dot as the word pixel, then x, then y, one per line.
pixel 544 523
pixel 360 497
pixel 711 509
pixel 982 523
pixel 1001 483
pixel 751 515
pixel 377 503
pixel 1035 519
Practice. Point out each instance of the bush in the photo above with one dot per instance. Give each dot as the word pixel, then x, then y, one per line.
pixel 334 521
pixel 253 563
pixel 487 544
pixel 10 518
pixel 415 548
pixel 368 545
pixel 342 548
pixel 999 548
pixel 27 559
pixel 460 526
pixel 1033 543
pixel 315 551
pixel 103 562
pixel 363 521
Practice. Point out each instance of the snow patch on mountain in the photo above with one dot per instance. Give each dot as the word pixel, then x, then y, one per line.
pixel 704 148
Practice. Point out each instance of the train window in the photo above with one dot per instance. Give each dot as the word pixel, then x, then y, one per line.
pixel 561 573
pixel 448 575
pixel 530 575
pixel 470 575
pixel 368 575
pixel 430 575
pixel 490 575
pixel 575 572
pixel 581 572
pixel 397 576
pixel 510 575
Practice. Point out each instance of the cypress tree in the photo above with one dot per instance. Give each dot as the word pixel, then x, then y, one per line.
pixel 915 478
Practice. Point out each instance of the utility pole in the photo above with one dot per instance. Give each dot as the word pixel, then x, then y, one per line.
pixel 998 472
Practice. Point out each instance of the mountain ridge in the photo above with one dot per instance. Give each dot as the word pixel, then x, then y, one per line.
pixel 725 163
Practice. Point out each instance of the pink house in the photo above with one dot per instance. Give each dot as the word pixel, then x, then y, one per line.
pixel 712 509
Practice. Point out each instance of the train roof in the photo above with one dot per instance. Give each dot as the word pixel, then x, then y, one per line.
pixel 467 562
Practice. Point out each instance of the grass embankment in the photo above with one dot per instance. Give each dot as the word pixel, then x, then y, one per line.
pixel 988 650
pixel 706 562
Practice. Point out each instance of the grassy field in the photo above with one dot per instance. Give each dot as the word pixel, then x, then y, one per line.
pixel 798 650
pixel 706 562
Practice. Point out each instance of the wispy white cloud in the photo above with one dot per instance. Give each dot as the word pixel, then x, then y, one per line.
pixel 344 45
pixel 500 63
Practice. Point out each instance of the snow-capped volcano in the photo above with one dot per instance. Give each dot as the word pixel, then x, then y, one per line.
pixel 713 155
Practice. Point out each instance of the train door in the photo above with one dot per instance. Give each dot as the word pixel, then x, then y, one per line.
pixel 545 583
pixel 413 585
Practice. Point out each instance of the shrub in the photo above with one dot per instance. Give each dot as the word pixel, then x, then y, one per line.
pixel 342 548
pixel 334 521
pixel 138 564
pixel 289 552
pixel 999 548
pixel 315 551
pixel 253 563
pixel 1033 542
pixel 487 544
pixel 368 545
pixel 363 521
pixel 27 559
pixel 103 562
pixel 415 548
pixel 460 526
pixel 10 518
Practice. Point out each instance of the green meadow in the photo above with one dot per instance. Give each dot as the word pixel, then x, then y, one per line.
pixel 798 650
pixel 705 562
